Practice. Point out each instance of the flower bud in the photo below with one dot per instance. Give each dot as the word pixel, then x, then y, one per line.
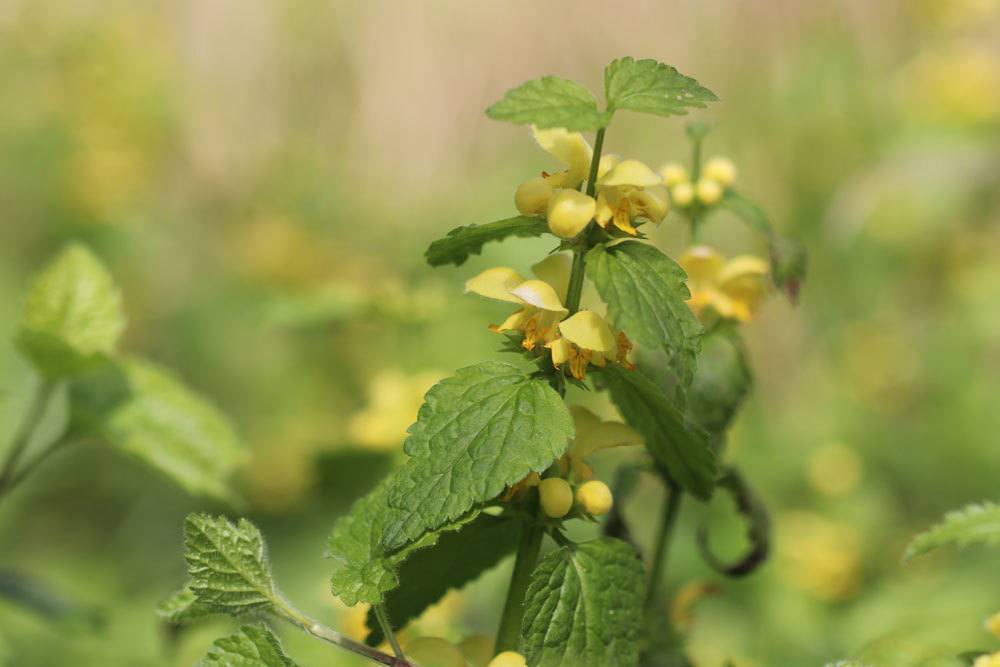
pixel 595 497
pixel 673 174
pixel 532 196
pixel 721 170
pixel 709 191
pixel 508 659
pixel 569 212
pixel 682 194
pixel 434 652
pixel 556 497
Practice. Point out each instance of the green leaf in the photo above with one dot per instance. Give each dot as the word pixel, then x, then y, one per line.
pixel 142 409
pixel 722 381
pixel 682 449
pixel 228 565
pixel 456 559
pixel 649 86
pixel 550 102
pixel 477 432
pixel 252 646
pixel 72 316
pixel 646 292
pixel 461 242
pixel 183 607
pixel 584 607
pixel 974 524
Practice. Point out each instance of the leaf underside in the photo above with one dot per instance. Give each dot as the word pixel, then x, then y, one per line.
pixel 456 246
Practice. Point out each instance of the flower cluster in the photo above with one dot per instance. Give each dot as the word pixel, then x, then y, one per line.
pixel 707 188
pixel 543 321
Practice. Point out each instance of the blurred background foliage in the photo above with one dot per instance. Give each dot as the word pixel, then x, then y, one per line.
pixel 263 178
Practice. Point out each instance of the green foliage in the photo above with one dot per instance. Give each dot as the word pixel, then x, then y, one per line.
pixel 978 523
pixel 550 102
pixel 252 646
pixel 721 382
pixel 456 559
pixel 72 316
pixel 682 449
pixel 648 86
pixel 584 607
pixel 142 409
pixel 182 607
pixel 228 565
pixel 477 432
pixel 467 240
pixel 646 291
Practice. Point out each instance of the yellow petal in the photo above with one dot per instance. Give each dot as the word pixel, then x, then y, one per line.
pixel 607 163
pixel 570 148
pixel 562 351
pixel 532 196
pixel 570 212
pixel 593 435
pixel 589 331
pixel 516 320
pixel 631 172
pixel 682 194
pixel 721 170
pixel 495 283
pixel 539 294
pixel 709 192
pixel 555 270
pixel 744 281
pixel 604 212
pixel 652 204
pixel 673 174
pixel 702 265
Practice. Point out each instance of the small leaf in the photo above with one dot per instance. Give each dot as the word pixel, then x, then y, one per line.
pixel 72 316
pixel 252 646
pixel 649 86
pixel 584 607
pixel 974 524
pixel 228 565
pixel 722 381
pixel 183 607
pixel 145 411
pixel 683 450
pixel 550 102
pixel 461 242
pixel 456 559
pixel 646 292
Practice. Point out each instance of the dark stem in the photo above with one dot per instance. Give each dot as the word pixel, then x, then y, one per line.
pixel 39 405
pixel 509 634
pixel 671 508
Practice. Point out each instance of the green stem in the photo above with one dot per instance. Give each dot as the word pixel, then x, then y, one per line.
pixel 595 162
pixel 509 634
pixel 39 405
pixel 285 610
pixel 575 289
pixel 383 621
pixel 695 177
pixel 671 508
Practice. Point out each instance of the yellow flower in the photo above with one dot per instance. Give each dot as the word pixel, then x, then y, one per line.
pixel 508 659
pixel 819 556
pixel 586 338
pixel 721 170
pixel 682 194
pixel 555 497
pixel 709 192
pixel 541 310
pixel 570 148
pixel 732 288
pixel 673 174
pixel 992 660
pixel 569 212
pixel 595 497
pixel 630 190
pixel 992 625
pixel 393 402
pixel 593 435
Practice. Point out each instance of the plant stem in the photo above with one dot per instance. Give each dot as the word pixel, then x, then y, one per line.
pixel 285 610
pixel 509 634
pixel 575 289
pixel 696 176
pixel 671 508
pixel 383 621
pixel 595 162
pixel 39 405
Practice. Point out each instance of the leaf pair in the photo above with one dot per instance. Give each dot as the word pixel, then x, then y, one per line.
pixel 646 86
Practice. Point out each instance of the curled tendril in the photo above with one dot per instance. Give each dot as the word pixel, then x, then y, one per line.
pixel 758 521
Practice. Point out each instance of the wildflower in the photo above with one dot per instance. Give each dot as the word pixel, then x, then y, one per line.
pixel 593 435
pixel 508 659
pixel 630 190
pixel 682 194
pixel 478 649
pixel 594 497
pixel 732 288
pixel 541 307
pixel 570 148
pixel 393 402
pixel 569 212
pixel 556 497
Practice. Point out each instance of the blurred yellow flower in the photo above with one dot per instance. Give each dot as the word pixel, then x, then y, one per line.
pixel 992 625
pixel 682 607
pixel 592 435
pixel 992 660
pixel 734 288
pixel 834 469
pixel 819 556
pixel 394 399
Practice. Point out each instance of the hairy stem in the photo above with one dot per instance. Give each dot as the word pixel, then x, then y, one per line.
pixel 509 634
pixel 9 475
pixel 285 610
pixel 671 508
pixel 386 625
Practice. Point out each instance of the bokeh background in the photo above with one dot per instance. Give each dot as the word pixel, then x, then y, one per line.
pixel 263 178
